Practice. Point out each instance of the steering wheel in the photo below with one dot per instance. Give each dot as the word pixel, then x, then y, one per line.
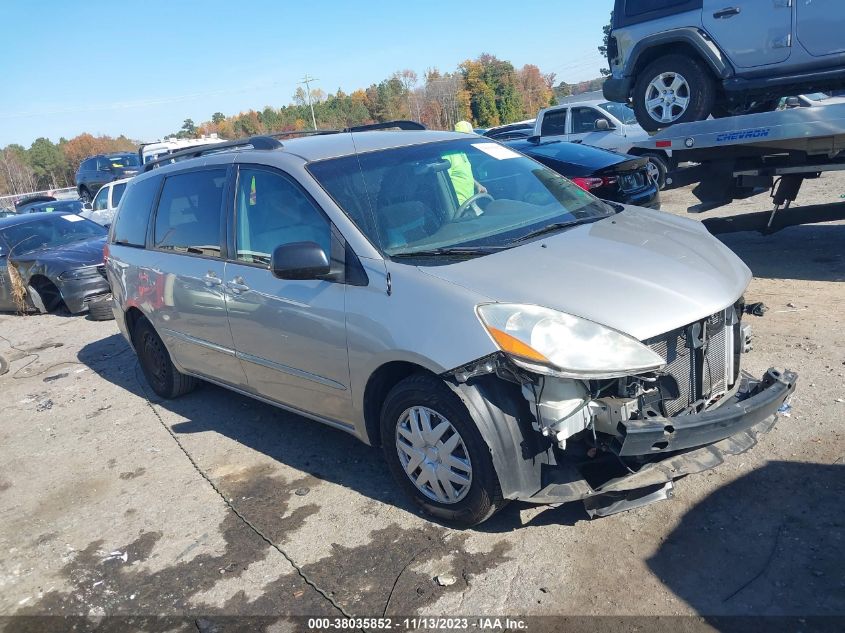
pixel 471 203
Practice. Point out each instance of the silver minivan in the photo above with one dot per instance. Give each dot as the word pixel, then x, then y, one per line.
pixel 498 331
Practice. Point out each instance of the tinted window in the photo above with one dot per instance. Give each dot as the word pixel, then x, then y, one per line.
pixel 188 216
pixel 91 163
pixel 117 193
pixel 101 199
pixel 584 120
pixel 272 211
pixel 554 123
pixel 130 226
pixel 638 7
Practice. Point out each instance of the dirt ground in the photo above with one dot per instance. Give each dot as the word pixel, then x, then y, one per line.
pixel 114 503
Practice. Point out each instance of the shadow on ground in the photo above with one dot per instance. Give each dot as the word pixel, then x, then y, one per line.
pixel 770 543
pixel 812 252
pixel 371 579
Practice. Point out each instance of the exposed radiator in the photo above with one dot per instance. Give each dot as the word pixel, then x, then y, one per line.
pixel 699 358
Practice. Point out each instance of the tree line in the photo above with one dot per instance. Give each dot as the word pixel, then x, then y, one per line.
pixel 485 91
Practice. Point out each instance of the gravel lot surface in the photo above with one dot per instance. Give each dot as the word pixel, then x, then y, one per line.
pixel 113 502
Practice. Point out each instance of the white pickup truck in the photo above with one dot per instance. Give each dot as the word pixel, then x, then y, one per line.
pixel 604 124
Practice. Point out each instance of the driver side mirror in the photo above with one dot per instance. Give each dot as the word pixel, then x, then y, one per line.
pixel 793 102
pixel 300 260
pixel 88 206
pixel 601 125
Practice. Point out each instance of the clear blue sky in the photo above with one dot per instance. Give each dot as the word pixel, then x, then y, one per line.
pixel 141 67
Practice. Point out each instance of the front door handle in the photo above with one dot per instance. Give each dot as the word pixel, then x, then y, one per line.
pixel 237 285
pixel 727 13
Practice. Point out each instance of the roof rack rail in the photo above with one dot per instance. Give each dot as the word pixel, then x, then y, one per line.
pixel 255 142
pixel 401 124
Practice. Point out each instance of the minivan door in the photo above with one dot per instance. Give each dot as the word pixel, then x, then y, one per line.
pixel 821 25
pixel 290 334
pixel 750 32
pixel 182 282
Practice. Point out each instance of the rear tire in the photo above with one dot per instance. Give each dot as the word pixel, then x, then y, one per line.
pixel 159 370
pixel 661 168
pixel 483 496
pixel 657 82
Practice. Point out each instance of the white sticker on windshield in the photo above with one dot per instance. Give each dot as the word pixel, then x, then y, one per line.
pixel 73 218
pixel 499 152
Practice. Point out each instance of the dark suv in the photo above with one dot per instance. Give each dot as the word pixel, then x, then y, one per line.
pixel 95 171
pixel 683 60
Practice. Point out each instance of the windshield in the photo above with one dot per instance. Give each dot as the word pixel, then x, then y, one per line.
pixel 620 111
pixel 50 231
pixel 461 193
pixel 125 160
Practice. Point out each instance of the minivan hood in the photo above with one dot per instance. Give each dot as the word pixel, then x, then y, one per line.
pixel 641 272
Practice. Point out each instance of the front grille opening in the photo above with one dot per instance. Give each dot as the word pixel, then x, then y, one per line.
pixel 697 364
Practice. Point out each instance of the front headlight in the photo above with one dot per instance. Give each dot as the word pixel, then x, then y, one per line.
pixel 554 342
pixel 80 273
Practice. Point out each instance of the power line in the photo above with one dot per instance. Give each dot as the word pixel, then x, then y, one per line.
pixel 307 81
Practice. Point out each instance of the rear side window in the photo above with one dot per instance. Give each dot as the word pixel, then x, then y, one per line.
pixel 189 209
pixel 130 226
pixel 554 123
pixel 117 193
pixel 642 10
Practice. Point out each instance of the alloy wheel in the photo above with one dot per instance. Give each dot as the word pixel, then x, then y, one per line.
pixel 433 455
pixel 667 97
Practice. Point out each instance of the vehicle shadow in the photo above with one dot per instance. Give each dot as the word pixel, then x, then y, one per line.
pixel 771 543
pixel 315 449
pixel 323 452
pixel 811 252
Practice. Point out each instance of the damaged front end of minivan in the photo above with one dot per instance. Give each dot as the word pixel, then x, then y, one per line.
pixel 596 415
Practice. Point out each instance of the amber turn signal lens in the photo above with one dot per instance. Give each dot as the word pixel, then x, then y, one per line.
pixel 514 346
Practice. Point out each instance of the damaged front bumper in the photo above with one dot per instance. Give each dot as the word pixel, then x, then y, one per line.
pixel 76 293
pixel 664 435
pixel 694 444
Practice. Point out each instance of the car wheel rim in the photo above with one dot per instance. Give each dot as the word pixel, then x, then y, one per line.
pixel 433 455
pixel 653 171
pixel 667 97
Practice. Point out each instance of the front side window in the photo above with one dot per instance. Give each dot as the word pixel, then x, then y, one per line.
pixel 584 120
pixel 188 216
pixel 554 123
pixel 408 199
pixel 103 164
pixel 101 201
pixel 621 111
pixel 272 211
pixel 117 194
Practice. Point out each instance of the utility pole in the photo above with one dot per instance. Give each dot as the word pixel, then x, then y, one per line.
pixel 307 81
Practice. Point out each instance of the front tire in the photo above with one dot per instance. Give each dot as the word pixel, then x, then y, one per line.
pixel 159 370
pixel 673 89
pixel 45 298
pixel 436 453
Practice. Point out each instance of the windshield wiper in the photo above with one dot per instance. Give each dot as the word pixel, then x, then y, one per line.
pixel 553 228
pixel 467 251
